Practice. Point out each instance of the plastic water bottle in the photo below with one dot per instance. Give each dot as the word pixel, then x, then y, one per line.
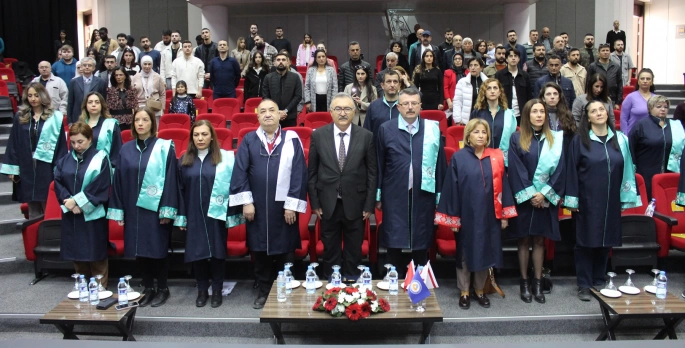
pixel 661 281
pixel 82 289
pixel 93 291
pixel 288 279
pixel 122 290
pixel 310 278
pixel 366 279
pixel 392 281
pixel 280 286
pixel 650 208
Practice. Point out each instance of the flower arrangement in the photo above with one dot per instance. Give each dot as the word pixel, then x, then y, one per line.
pixel 352 302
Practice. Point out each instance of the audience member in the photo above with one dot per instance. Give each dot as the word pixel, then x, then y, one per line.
pixel 616 34
pixel 545 39
pixel 61 41
pixel 450 78
pixel 516 83
pixel 164 44
pixel 250 38
pixel 224 73
pixel 499 64
pixel 55 86
pixel 425 45
pixel 269 52
pixel 512 38
pixel 189 69
pixel 491 106
pixel 537 66
pixel 466 91
pixel 553 68
pixel 529 46
pixel 363 93
pixel 182 103
pixel 411 49
pixel 449 35
pixel 81 86
pixel 150 87
pixel 122 98
pixel 110 62
pixel 558 110
pixel 281 43
pixel 206 52
pixel 574 71
pixel 612 71
pixel 320 85
pixel 589 53
pixel 428 78
pixel 169 55
pixel 94 37
pixel 122 41
pixel 105 46
pixel 385 107
pixel 346 73
pixel 634 107
pixel 623 60
pixel 595 89
pixel 559 50
pixel 448 54
pixel 283 88
pixel 467 50
pixel 154 54
pixel 240 53
pixel 255 73
pixel 305 52
pixel 65 68
pixel 414 36
pixel 396 47
pixel 128 62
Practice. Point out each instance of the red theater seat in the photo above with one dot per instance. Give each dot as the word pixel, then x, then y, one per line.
pixel 305 134
pixel 243 132
pixel 236 245
pixel 174 121
pixel 225 138
pixel 303 222
pixel 670 222
pixel 227 107
pixel 454 136
pixel 243 120
pixel 315 120
pixel 126 136
pixel 217 120
pixel 180 137
pixel 201 106
pixel 252 104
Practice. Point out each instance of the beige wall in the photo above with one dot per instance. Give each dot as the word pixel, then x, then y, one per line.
pixel 664 54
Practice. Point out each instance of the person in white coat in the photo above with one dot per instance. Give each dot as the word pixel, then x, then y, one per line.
pixel 466 90
pixel 169 54
pixel 189 69
pixel 56 87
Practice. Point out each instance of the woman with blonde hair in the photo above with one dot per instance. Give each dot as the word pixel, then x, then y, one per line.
pixel 477 214
pixel 305 53
pixel 405 79
pixel 240 53
pixel 491 106
pixel 35 145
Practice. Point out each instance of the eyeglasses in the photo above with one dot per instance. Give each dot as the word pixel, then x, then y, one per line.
pixel 406 104
pixel 339 110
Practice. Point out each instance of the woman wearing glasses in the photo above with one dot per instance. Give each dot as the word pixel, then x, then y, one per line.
pixel 656 142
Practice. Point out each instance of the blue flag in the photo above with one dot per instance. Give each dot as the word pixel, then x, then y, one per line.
pixel 417 289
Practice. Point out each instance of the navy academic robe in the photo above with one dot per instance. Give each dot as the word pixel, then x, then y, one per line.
pixel 650 146
pixel 83 240
pixel 113 151
pixel 396 149
pixel 597 187
pixel 255 175
pixel 533 221
pixel 206 236
pixel 34 181
pixel 496 124
pixel 468 196
pixel 144 236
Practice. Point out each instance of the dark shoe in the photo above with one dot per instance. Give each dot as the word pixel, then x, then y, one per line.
pixel 161 297
pixel 584 294
pixel 202 297
pixel 216 299
pixel 148 295
pixel 525 291
pixel 483 300
pixel 537 291
pixel 464 302
pixel 259 302
pixel 255 285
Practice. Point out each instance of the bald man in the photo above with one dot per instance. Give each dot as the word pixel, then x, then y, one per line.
pixel 559 49
pixel 55 86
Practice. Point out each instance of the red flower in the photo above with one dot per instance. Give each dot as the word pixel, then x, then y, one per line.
pixel 317 304
pixel 370 295
pixel 354 312
pixel 385 306
pixel 366 310
pixel 332 291
pixel 350 290
pixel 331 303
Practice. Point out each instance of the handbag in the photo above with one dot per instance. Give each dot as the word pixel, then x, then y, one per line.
pixel 153 103
pixel 491 286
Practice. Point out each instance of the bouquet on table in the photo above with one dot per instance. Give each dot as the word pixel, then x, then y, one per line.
pixel 352 302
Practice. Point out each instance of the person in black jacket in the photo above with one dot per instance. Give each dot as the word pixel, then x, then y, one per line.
pixel 254 76
pixel 285 89
pixel 511 78
pixel 347 73
pixel 206 52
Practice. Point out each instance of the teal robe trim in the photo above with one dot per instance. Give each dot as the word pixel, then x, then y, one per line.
pixel 429 158
pixel 547 165
pixel 106 134
pixel 507 131
pixel 235 220
pixel 90 212
pixel 115 214
pixel 9 169
pixel 181 221
pixel 218 201
pixel 678 142
pixel 629 196
pixel 52 128
pixel 153 181
pixel 680 199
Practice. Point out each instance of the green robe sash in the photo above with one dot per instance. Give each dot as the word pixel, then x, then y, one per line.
pixel 155 174
pixel 678 142
pixel 429 159
pixel 90 212
pixel 629 195
pixel 509 129
pixel 218 201
pixel 547 165
pixel 106 133
pixel 52 129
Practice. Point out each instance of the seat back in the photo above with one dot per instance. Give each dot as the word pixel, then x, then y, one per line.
pixel 174 121
pixel 237 241
pixel 180 137
pixel 305 134
pixel 449 152
pixel 7 75
pixel 201 106
pixel 225 138
pixel 302 69
pixel 454 136
pixel 116 237
pixel 316 120
pixel 436 115
pixel 169 96
pixel 8 62
pixel 243 120
pixel 243 132
pixel 217 120
pixel 303 223
pixel 627 90
pixel 335 61
pixel 208 97
pixel 642 191
pixel 252 104
pixel 664 190
pixel 240 95
pixel 227 107
pixel 126 136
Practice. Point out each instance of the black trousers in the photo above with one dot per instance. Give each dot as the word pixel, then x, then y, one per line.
pixel 267 266
pixel 289 122
pixel 591 265
pixel 154 268
pixel 216 95
pixel 394 257
pixel 336 231
pixel 204 268
pixel 321 103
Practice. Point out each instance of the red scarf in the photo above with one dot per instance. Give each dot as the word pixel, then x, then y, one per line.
pixel 497 163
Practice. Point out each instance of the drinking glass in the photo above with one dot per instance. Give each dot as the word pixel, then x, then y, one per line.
pixel 129 289
pixel 629 282
pixel 314 265
pixel 387 270
pixel 361 269
pixel 656 273
pixel 75 276
pixel 610 285
pixel 100 287
pixel 336 277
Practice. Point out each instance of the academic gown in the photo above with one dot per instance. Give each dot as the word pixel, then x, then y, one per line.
pixel 395 150
pixel 468 196
pixel 113 150
pixel 83 240
pixel 533 221
pixel 496 125
pixel 206 236
pixel 34 181
pixel 680 195
pixel 254 180
pixel 596 188
pixel 144 236
pixel 650 146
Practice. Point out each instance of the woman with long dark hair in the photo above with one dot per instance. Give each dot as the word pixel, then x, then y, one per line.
pixel 106 132
pixel 402 61
pixel 254 76
pixel 62 40
pixel 35 145
pixel 558 113
pixel 466 91
pixel 94 37
pixel 306 51
pixel 362 91
pixel 595 89
pixel 429 80
pixel 537 180
pixel 321 84
pixel 600 183
pixel 491 106
pixel 122 98
pixel 204 177
pixel 128 62
pixel 451 76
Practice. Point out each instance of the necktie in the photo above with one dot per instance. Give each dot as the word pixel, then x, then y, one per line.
pixel 341 158
pixel 411 166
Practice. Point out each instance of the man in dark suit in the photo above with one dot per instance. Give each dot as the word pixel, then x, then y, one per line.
pixel 80 86
pixel 342 185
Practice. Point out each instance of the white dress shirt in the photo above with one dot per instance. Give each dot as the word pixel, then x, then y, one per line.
pixel 346 139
